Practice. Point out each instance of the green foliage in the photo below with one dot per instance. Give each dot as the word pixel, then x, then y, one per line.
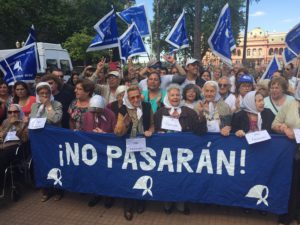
pixel 170 10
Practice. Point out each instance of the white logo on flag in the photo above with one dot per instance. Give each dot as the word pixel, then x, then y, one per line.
pixel 55 174
pixel 257 192
pixel 142 184
pixel 18 66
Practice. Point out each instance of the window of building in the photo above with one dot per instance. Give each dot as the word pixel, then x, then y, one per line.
pixel 239 52
pixel 260 52
pixel 248 52
pixel 254 52
pixel 280 51
pixel 271 51
pixel 276 51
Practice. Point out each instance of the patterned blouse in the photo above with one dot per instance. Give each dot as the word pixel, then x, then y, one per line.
pixel 76 113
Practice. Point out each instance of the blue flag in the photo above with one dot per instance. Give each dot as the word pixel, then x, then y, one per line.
pixel 292 39
pixel 20 65
pixel 273 66
pixel 107 33
pixel 209 169
pixel 137 15
pixel 131 43
pixel 221 41
pixel 288 56
pixel 31 37
pixel 178 35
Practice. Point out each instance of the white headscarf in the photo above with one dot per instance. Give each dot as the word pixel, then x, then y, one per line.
pixel 127 103
pixel 167 103
pixel 248 105
pixel 39 86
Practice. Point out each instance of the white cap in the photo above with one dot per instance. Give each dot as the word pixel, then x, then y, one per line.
pixel 97 101
pixel 114 73
pixel 191 61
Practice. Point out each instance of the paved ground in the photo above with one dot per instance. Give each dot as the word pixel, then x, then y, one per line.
pixel 73 210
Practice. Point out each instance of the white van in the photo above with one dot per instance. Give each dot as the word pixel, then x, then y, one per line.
pixel 54 56
pixel 50 56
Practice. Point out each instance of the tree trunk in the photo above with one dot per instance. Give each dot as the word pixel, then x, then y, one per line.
pixel 245 34
pixel 197 30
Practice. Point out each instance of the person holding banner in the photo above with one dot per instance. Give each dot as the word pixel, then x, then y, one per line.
pixel 47 107
pixel 217 113
pixel 287 122
pixel 116 105
pixel 23 98
pixel 252 116
pixel 135 118
pixel 84 90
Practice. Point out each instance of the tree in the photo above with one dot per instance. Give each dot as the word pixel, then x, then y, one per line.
pixel 210 11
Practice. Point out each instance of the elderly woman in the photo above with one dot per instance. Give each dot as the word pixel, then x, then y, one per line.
pixel 224 91
pixel 84 90
pixel 278 88
pixel 191 95
pixel 288 119
pixel 116 105
pixel 217 113
pixel 188 121
pixel 252 116
pixel 99 119
pixel 47 107
pixel 245 84
pixel 135 118
pixel 13 132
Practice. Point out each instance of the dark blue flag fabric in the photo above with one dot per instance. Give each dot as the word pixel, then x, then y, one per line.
pixel 288 56
pixel 273 66
pixel 107 33
pixel 31 37
pixel 178 35
pixel 20 65
pixel 131 43
pixel 175 167
pixel 137 15
pixel 221 41
pixel 292 39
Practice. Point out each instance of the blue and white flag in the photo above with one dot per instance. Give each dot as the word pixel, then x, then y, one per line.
pixel 288 56
pixel 107 33
pixel 137 15
pixel 20 65
pixel 221 41
pixel 273 66
pixel 178 35
pixel 131 43
pixel 31 37
pixel 292 39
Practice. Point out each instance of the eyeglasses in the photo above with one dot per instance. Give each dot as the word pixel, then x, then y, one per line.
pixel 13 111
pixel 223 85
pixel 288 69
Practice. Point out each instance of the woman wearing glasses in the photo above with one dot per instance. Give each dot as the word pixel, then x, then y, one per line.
pixel 224 91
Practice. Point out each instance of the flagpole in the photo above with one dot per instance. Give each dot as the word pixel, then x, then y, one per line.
pixel 9 68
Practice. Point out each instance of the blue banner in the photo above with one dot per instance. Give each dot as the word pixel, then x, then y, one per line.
pixel 20 65
pixel 292 39
pixel 131 43
pixel 273 66
pixel 178 35
pixel 176 167
pixel 288 56
pixel 107 33
pixel 137 15
pixel 31 37
pixel 221 41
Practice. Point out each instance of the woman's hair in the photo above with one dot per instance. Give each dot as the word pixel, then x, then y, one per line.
pixel 157 74
pixel 87 85
pixel 204 72
pixel 133 88
pixel 189 87
pixel 173 86
pixel 281 81
pixel 25 86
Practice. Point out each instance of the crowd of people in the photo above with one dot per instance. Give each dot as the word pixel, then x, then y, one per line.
pixel 135 102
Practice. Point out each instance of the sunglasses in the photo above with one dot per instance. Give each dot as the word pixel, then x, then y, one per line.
pixel 223 85
pixel 14 111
